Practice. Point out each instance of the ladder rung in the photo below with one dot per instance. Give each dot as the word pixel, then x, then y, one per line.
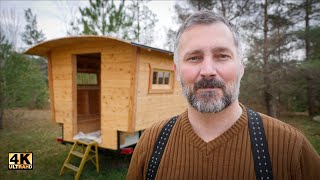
pixel 88 155
pixel 93 151
pixel 86 141
pixel 77 153
pixel 72 167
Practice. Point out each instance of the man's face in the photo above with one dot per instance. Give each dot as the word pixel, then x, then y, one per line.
pixel 210 69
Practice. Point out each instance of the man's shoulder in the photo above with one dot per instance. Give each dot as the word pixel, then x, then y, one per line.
pixel 150 134
pixel 277 127
pixel 157 126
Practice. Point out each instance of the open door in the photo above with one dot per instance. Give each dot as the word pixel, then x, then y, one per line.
pixel 88 92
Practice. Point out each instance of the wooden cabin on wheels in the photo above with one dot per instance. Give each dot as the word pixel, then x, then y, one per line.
pixel 103 83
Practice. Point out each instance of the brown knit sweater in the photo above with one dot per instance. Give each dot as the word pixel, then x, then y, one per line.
pixel 229 156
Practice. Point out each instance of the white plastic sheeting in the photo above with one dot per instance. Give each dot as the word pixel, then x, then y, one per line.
pixel 95 136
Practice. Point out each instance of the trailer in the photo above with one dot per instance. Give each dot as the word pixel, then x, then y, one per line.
pixel 100 83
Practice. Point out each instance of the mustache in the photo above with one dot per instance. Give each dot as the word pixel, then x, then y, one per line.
pixel 211 83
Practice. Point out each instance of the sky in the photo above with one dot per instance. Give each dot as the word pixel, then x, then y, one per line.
pixel 52 16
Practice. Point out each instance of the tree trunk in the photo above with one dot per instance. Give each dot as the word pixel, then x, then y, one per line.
pixel 310 96
pixel 1 101
pixel 266 71
pixel 138 5
pixel 223 8
pixel 1 118
pixel 307 26
pixel 311 99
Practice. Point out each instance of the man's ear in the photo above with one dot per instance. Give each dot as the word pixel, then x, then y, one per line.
pixel 176 72
pixel 241 70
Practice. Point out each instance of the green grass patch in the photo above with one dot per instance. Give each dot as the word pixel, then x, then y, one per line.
pixel 33 131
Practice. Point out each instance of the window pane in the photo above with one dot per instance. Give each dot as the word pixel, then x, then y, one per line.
pixel 154 77
pixel 160 77
pixel 166 77
pixel 87 79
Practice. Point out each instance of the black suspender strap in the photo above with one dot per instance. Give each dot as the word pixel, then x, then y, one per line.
pixel 158 149
pixel 259 147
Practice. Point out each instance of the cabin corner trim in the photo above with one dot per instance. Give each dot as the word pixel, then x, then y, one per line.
pixel 134 91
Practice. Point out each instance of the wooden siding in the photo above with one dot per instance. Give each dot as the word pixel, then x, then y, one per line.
pixel 134 92
pixel 61 67
pixel 50 83
pixel 117 63
pixel 156 106
pixel 117 69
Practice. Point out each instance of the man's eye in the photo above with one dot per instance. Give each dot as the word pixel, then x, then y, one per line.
pixel 195 58
pixel 224 56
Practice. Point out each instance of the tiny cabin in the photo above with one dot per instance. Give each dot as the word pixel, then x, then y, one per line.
pixel 103 83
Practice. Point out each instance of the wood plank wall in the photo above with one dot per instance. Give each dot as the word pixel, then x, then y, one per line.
pixel 116 75
pixel 62 91
pixel 156 106
pixel 50 83
pixel 117 69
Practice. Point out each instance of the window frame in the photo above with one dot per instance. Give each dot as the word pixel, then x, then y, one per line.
pixel 161 88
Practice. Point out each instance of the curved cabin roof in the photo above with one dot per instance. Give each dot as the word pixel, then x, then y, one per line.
pixel 43 48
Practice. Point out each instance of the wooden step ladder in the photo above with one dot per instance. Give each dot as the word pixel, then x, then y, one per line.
pixel 84 149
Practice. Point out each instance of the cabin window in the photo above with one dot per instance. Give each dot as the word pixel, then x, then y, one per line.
pixel 87 78
pixel 160 77
pixel 161 81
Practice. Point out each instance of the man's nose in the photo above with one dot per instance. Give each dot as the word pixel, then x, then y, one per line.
pixel 208 68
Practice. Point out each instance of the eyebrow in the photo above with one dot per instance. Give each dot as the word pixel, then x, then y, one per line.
pixel 197 51
pixel 192 52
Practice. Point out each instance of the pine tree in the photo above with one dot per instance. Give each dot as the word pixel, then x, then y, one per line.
pixel 5 51
pixel 104 17
pixel 132 21
pixel 311 7
pixel 31 34
pixel 305 15
pixel 233 10
pixel 269 40
pixel 143 22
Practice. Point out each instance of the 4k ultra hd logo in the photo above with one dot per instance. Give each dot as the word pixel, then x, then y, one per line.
pixel 20 161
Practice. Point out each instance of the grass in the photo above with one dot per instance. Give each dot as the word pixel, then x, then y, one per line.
pixel 311 129
pixel 33 131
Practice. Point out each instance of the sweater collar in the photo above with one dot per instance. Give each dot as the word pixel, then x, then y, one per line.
pixel 208 147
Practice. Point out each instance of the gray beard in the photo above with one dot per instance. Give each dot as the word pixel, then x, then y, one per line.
pixel 208 102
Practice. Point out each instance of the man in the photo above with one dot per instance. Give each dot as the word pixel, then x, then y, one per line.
pixel 212 138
